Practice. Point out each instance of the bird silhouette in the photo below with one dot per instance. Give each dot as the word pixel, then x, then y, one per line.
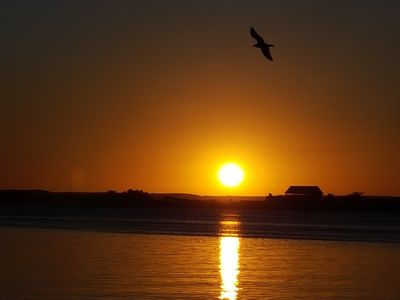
pixel 261 44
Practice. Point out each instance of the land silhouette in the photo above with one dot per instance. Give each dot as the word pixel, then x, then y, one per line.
pixel 138 198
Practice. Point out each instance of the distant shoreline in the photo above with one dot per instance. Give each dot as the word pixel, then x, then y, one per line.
pixel 139 198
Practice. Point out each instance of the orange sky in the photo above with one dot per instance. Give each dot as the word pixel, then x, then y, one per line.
pixel 156 95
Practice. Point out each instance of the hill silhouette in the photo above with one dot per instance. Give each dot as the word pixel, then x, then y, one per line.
pixel 140 198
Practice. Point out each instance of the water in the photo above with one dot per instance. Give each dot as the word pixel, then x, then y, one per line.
pixel 324 225
pixel 216 256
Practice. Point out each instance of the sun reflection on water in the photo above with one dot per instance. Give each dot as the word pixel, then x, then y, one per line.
pixel 229 244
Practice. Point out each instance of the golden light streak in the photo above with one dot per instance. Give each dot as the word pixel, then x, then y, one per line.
pixel 229 267
pixel 229 260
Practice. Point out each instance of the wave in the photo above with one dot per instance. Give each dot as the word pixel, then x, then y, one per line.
pixel 287 225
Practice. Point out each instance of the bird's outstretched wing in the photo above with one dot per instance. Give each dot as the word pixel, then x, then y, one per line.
pixel 267 53
pixel 255 35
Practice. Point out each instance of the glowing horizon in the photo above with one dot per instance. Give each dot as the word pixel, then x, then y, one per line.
pixel 161 114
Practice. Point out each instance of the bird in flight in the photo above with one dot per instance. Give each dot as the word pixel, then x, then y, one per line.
pixel 261 44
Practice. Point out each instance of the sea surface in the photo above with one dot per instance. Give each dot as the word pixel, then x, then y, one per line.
pixel 64 253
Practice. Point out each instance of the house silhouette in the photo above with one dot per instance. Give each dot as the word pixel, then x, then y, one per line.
pixel 302 190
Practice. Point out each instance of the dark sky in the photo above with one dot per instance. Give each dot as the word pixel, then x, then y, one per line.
pixel 156 95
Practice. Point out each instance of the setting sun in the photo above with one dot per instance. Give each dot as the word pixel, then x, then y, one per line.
pixel 231 175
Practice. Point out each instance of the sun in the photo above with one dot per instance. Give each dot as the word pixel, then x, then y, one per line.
pixel 231 175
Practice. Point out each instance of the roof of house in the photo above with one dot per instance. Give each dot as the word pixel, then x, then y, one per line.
pixel 304 190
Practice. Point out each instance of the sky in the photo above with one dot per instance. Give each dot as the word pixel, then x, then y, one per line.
pixel 157 95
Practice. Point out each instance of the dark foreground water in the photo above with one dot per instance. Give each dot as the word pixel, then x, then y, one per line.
pixel 190 255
